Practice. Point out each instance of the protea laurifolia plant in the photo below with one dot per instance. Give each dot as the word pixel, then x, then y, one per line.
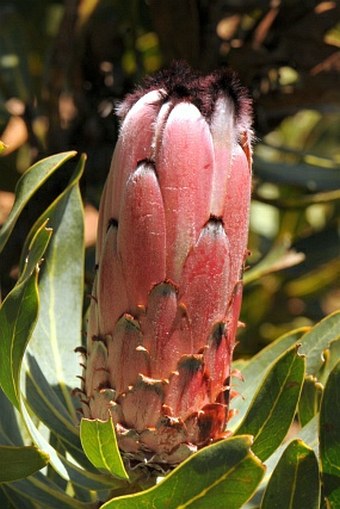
pixel 170 253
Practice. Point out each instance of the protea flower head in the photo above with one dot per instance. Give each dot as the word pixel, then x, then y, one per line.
pixel 170 253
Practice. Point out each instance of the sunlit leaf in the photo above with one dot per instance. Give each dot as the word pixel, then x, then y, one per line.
pixel 315 341
pixel 222 475
pixel 88 479
pixel 310 399
pixel 59 325
pixel 18 314
pixel 254 371
pixel 331 356
pixel 309 434
pixel 64 467
pixel 318 276
pixel 29 183
pixel 99 442
pixel 279 257
pixel 47 406
pixel 330 437
pixel 295 482
pixel 296 202
pixel 273 408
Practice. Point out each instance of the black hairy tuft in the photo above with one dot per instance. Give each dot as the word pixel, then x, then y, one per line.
pixel 181 83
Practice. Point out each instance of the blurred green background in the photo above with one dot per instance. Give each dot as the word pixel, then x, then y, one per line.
pixel 65 65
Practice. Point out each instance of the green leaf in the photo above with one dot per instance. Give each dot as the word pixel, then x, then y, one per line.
pixel 40 440
pixel 15 500
pixel 279 257
pixel 99 442
pixel 46 494
pixel 64 468
pixel 58 329
pixel 306 176
pixel 299 201
pixel 330 436
pixel 308 434
pixel 66 217
pixel 222 475
pixel 67 469
pixel 10 432
pixel 36 250
pixel 254 371
pixel 309 402
pixel 90 481
pixel 331 356
pixel 295 482
pixel 273 408
pixel 28 184
pixel 46 405
pixel 334 499
pixel 19 462
pixel 315 341
pixel 18 315
pixel 51 473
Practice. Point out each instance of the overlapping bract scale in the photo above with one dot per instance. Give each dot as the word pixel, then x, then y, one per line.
pixel 186 196
pixel 142 235
pixel 171 250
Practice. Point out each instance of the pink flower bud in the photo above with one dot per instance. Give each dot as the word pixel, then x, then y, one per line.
pixel 171 249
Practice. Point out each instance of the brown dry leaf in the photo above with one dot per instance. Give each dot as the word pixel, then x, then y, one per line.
pixel 6 204
pixel 14 135
pixel 91 223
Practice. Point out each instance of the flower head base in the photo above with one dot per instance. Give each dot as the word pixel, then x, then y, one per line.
pixel 170 252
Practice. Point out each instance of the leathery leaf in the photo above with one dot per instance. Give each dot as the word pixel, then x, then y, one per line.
pixel 223 474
